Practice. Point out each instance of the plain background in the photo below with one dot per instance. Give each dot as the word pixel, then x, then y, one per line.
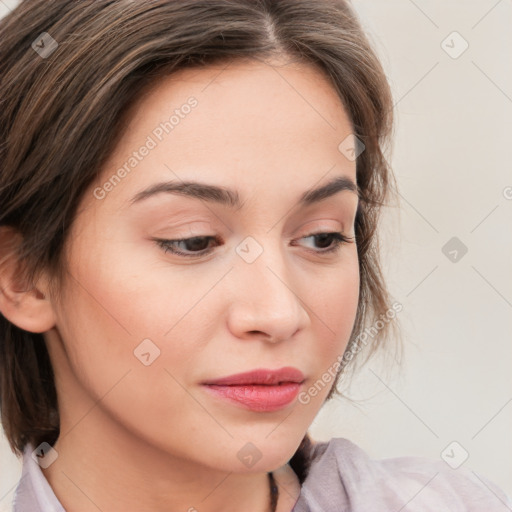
pixel 452 159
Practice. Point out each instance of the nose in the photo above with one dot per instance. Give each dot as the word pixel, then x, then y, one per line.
pixel 265 301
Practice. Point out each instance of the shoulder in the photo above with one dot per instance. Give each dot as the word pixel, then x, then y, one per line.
pixel 342 476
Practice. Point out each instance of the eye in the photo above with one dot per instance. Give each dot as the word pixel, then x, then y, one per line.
pixel 198 246
pixel 194 247
pixel 329 242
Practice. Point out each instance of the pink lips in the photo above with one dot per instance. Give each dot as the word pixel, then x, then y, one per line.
pixel 259 390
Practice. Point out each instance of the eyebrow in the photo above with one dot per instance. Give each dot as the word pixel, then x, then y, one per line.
pixel 231 198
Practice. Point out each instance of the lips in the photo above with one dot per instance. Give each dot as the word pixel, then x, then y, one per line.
pixel 260 377
pixel 258 390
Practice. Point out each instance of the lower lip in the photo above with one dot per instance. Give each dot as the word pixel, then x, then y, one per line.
pixel 258 398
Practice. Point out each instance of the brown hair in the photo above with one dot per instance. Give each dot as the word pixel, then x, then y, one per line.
pixel 62 114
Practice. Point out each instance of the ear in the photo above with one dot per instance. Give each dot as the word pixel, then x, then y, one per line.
pixel 24 304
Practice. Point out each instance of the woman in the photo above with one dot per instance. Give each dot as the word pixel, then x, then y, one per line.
pixel 190 197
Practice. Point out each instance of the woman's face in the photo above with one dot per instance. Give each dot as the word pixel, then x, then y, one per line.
pixel 141 328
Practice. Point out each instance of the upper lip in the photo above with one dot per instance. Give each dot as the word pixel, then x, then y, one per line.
pixel 260 376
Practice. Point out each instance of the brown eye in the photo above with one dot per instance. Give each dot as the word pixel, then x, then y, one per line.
pixel 328 242
pixel 190 247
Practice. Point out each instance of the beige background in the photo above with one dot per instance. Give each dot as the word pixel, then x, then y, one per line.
pixel 452 157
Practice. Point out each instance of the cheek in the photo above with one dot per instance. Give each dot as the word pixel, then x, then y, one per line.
pixel 333 305
pixel 119 298
pixel 104 321
pixel 117 305
pixel 333 309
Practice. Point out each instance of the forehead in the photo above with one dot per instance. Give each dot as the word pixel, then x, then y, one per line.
pixel 253 124
pixel 231 92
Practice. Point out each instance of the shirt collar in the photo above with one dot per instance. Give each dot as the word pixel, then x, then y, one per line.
pixel 33 492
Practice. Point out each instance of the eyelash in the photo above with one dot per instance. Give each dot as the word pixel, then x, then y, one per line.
pixel 168 245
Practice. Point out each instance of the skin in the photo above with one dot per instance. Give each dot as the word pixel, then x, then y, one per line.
pixel 136 437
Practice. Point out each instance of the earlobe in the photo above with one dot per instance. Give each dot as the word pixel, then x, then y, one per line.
pixel 28 307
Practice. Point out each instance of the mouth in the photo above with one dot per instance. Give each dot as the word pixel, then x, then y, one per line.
pixel 258 390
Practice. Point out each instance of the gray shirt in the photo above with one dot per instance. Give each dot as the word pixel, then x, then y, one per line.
pixel 342 478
